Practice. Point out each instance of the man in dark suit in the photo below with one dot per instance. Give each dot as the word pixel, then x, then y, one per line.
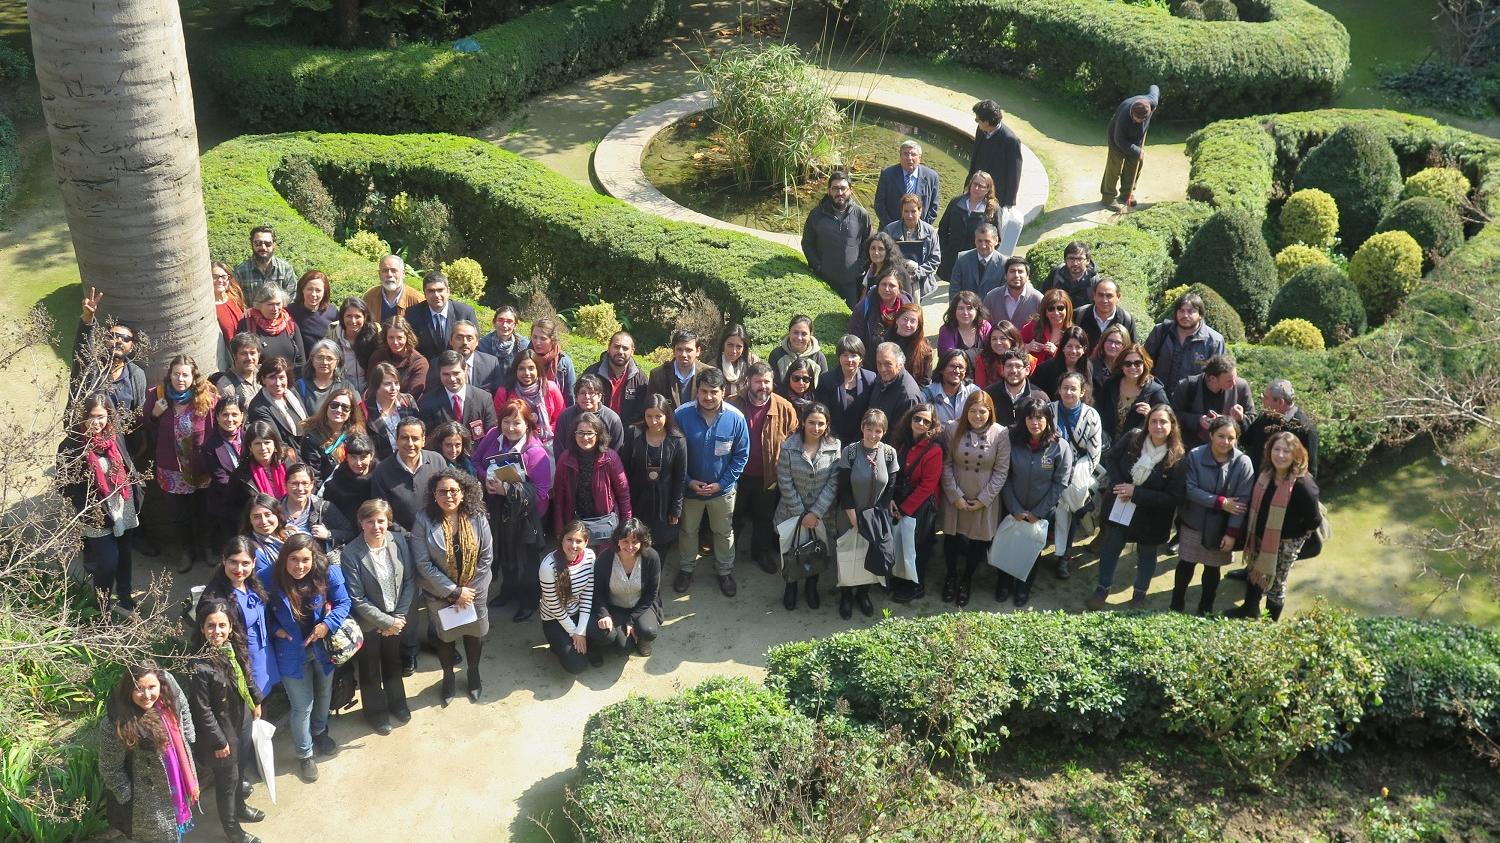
pixel 997 151
pixel 1218 391
pixel 910 176
pixel 483 370
pixel 980 269
pixel 1104 311
pixel 1013 387
pixel 457 400
pixel 433 319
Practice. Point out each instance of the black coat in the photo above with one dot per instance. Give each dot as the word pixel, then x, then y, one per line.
pixel 1108 398
pixel 956 231
pixel 220 497
pixel 1000 156
pixel 1269 424
pixel 479 407
pixel 261 409
pixel 650 599
pixel 219 713
pixel 345 492
pixel 406 407
pixel 657 501
pixel 1005 409
pixel 843 408
pixel 80 490
pixel 1155 500
pixel 288 345
pixel 1302 513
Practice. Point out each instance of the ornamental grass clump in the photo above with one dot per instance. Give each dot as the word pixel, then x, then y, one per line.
pixel 776 119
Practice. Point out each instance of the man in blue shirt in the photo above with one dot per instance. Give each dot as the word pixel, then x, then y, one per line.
pixel 718 448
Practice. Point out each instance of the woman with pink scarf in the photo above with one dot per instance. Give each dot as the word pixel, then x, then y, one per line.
pixel 145 756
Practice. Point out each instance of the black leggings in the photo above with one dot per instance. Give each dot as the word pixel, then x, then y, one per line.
pixel 562 646
pixel 973 550
pixel 447 651
pixel 1184 578
pixel 646 630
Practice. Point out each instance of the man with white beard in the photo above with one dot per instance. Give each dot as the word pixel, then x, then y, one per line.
pixel 391 297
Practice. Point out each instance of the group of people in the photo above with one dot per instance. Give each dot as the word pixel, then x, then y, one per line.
pixel 380 471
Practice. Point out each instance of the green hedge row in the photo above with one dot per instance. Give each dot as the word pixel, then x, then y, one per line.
pixel 521 221
pixel 273 84
pixel 10 162
pixel 1293 54
pixel 1249 162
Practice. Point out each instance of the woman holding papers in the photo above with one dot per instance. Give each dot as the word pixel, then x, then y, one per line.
pixel 450 543
pixel 1041 461
pixel 1141 467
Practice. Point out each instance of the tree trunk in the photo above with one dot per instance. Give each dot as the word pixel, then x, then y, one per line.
pixel 119 110
pixel 346 13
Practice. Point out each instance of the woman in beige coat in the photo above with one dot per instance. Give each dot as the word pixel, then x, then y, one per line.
pixel 973 475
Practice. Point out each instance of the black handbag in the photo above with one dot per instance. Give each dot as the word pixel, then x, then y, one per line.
pixel 808 552
pixel 1216 522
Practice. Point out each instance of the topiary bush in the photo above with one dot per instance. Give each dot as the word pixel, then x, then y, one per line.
pixel 1229 254
pixel 598 321
pixel 1295 333
pixel 465 278
pixel 1174 223
pixel 1358 168
pixel 1445 184
pixel 1138 261
pixel 423 226
pixel 1216 312
pixel 1311 217
pixel 1323 296
pixel 1385 270
pixel 304 190
pixel 368 245
pixel 1189 10
pixel 1296 257
pixel 1220 10
pixel 1433 223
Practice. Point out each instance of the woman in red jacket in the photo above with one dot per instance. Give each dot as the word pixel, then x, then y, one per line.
pixel 590 485
pixel 919 446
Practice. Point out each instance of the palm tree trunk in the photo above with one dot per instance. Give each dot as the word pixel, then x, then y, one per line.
pixel 119 110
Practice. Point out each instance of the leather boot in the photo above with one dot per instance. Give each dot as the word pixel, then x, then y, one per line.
pixel 1250 609
pixel 810 593
pixel 1275 609
pixel 846 602
pixel 789 599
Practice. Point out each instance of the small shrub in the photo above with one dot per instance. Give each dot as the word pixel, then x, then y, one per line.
pixel 14 64
pixel 1296 257
pixel 655 357
pixel 701 315
pixel 1358 168
pixel 1433 223
pixel 1385 270
pixel 1216 312
pixel 1325 297
pixel 1230 254
pixel 1445 184
pixel 1311 217
pixel 1222 10
pixel 299 183
pixel 1295 333
pixel 1190 10
pixel 424 227
pixel 367 244
pixel 465 278
pixel 597 321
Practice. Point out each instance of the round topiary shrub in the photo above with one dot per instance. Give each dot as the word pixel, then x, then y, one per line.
pixel 1385 270
pixel 1323 296
pixel 1296 257
pixel 1310 216
pixel 1220 10
pixel 1229 253
pixel 367 244
pixel 1216 312
pixel 1295 333
pixel 1189 10
pixel 1442 183
pixel 465 278
pixel 1358 168
pixel 1433 223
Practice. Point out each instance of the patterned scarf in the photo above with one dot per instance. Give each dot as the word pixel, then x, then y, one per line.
pixel 549 361
pixel 466 548
pixel 182 781
pixel 104 448
pixel 1263 541
pixel 269 328
pixel 535 397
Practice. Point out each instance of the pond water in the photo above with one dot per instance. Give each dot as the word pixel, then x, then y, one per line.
pixel 686 165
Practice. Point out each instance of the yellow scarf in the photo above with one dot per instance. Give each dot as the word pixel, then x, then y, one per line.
pixel 466 549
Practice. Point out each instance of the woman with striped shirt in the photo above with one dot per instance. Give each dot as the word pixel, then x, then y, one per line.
pixel 567 580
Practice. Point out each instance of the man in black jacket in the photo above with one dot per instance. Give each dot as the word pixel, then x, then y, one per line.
pixel 1218 391
pixel 1013 387
pixel 432 320
pixel 833 238
pixel 997 151
pixel 457 401
pixel 1279 411
pixel 349 485
pixel 894 391
pixel 1103 312
pixel 625 385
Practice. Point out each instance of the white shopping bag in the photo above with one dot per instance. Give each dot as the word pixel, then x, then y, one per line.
pixel 261 732
pixel 1011 223
pixel 1017 545
pixel 906 550
pixel 786 532
pixel 1080 483
pixel 852 548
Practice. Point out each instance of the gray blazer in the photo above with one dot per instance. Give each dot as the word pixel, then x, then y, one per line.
pixel 143 786
pixel 996 301
pixel 1037 478
pixel 367 581
pixel 1206 480
pixel 978 278
pixel 429 554
pixel 924 253
pixel 807 486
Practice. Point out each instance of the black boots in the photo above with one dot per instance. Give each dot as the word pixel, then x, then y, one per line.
pixel 789 599
pixel 810 593
pixel 1250 609
pixel 1275 610
pixel 846 602
pixel 862 599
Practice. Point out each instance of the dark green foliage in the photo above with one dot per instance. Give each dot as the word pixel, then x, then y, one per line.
pixel 424 231
pixel 1324 296
pixel 1439 85
pixel 14 64
pixel 1135 259
pixel 1190 10
pixel 520 221
pixel 272 84
pixel 1358 168
pixel 1174 223
pixel 1107 51
pixel 304 190
pixel 1220 10
pixel 1249 162
pixel 1229 254
pixel 1441 679
pixel 1434 224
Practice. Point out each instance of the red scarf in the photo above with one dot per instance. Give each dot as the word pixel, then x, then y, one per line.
pixel 105 447
pixel 888 314
pixel 268 328
pixel 271 482
pixel 549 361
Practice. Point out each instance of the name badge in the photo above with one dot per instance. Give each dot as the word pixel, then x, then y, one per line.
pixel 1047 462
pixel 721 448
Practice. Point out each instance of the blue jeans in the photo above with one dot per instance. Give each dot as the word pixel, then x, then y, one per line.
pixel 310 696
pixel 1109 558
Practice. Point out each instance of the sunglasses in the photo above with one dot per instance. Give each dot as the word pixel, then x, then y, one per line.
pixel 923 421
pixel 801 379
pixel 122 337
pixel 1057 308
pixel 340 406
pixel 1132 364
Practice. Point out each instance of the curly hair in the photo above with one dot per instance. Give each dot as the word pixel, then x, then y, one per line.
pixel 472 503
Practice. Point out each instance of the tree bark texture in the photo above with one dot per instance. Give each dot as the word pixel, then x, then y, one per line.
pixel 119 111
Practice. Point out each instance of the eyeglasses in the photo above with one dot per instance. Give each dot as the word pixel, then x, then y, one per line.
pixel 586 434
pixel 219 276
pixel 1132 364
pixel 801 379
pixel 450 491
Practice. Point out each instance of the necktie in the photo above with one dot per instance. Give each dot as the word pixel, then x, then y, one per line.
pixel 437 328
pixel 458 408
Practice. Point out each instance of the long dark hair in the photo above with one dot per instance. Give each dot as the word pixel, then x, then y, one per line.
pixel 219 582
pixel 265 501
pixel 301 593
pixel 260 429
pixel 134 724
pixel 560 579
pixel 237 641
pixel 1027 408
pixel 903 439
pixel 657 401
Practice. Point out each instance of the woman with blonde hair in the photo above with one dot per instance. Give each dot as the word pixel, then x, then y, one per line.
pixel 1284 511
pixel 974 207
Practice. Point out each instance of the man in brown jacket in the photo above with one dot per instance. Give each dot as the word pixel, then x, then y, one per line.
pixel 677 379
pixel 771 419
pixel 391 297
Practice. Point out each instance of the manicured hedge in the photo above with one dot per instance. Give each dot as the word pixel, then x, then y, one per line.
pixel 272 84
pixel 10 162
pixel 1137 260
pixel 1110 50
pixel 520 220
pixel 1250 162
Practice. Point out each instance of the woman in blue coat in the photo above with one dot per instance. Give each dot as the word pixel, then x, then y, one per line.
pixel 1041 461
pixel 236 584
pixel 308 603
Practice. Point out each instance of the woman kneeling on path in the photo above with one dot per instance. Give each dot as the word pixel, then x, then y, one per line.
pixel 567 579
pixel 627 583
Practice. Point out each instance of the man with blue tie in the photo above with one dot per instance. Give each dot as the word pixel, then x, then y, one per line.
pixel 910 176
pixel 433 319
